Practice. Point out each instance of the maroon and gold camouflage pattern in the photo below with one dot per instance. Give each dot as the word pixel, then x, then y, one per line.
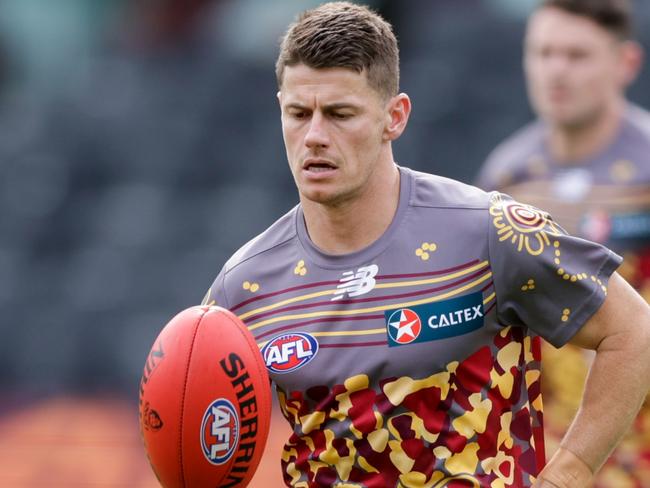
pixel 456 427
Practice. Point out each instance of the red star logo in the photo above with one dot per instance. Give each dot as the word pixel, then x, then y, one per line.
pixel 404 326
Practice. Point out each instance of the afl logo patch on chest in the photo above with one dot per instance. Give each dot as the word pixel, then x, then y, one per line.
pixel 289 352
pixel 434 321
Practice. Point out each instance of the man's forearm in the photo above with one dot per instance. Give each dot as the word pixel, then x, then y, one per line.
pixel 617 384
pixel 615 389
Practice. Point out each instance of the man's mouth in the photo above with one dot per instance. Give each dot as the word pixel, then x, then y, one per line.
pixel 318 166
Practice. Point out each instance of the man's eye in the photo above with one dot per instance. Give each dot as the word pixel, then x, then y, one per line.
pixel 577 55
pixel 341 115
pixel 542 52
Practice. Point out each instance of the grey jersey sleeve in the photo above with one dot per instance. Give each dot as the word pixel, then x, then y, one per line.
pixel 216 294
pixel 545 279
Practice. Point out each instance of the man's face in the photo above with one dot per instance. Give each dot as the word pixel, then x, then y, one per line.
pixel 573 67
pixel 334 127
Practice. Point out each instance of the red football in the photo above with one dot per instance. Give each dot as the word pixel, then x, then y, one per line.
pixel 205 401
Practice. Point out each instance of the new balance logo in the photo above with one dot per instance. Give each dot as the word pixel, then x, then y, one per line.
pixel 355 284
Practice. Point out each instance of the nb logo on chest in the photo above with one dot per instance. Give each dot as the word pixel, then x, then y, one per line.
pixel 357 283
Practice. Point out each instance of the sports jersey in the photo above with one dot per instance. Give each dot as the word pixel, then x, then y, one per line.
pixel 604 198
pixel 415 361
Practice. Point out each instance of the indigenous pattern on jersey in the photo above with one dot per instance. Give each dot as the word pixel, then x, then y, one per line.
pixel 604 199
pixel 415 362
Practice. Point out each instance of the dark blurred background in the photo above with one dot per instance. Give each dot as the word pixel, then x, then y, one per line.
pixel 140 145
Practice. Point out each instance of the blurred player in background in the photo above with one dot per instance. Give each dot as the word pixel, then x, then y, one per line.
pixel 586 159
pixel 398 311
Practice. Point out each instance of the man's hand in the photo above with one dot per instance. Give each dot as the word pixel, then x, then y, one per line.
pixel 564 470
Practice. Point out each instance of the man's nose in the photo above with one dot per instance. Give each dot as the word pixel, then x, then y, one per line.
pixel 316 133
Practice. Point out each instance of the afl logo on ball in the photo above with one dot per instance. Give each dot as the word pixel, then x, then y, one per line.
pixel 219 431
pixel 289 352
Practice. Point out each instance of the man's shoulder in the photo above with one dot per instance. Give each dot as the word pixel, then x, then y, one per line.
pixel 440 192
pixel 278 234
pixel 524 141
pixel 511 155
pixel 638 120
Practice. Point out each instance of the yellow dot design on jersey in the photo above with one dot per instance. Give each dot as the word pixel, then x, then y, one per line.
pixel 600 283
pixel 300 268
pixel 526 227
pixel 425 250
pixel 529 286
pixel 573 278
pixel 252 287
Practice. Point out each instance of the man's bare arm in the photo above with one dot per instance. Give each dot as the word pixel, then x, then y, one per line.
pixel 617 384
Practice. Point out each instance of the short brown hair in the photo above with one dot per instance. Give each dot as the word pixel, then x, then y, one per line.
pixel 614 16
pixel 343 35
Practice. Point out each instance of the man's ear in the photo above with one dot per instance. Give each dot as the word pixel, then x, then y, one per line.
pixel 398 111
pixel 631 62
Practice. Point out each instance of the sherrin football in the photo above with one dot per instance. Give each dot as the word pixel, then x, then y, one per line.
pixel 205 401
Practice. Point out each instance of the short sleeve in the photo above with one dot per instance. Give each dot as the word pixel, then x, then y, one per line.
pixel 545 279
pixel 216 294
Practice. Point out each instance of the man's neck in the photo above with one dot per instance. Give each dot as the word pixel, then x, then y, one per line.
pixel 570 145
pixel 355 224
